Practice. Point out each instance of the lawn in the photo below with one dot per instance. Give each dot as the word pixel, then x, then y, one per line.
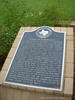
pixel 67 6
pixel 17 13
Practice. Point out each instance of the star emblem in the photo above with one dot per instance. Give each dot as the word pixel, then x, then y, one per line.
pixel 44 33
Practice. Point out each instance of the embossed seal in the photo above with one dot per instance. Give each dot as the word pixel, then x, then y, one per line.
pixel 44 32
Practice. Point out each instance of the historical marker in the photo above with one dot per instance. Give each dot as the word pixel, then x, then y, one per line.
pixel 39 60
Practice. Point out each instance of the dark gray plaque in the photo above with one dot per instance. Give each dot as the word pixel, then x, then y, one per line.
pixel 39 60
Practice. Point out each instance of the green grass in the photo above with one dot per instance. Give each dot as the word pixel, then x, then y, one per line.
pixel 17 13
pixel 67 6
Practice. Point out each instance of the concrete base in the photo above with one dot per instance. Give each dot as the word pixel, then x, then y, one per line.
pixel 9 92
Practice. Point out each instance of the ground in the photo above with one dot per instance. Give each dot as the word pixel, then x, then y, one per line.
pixel 17 13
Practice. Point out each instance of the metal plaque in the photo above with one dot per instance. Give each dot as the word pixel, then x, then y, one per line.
pixel 39 60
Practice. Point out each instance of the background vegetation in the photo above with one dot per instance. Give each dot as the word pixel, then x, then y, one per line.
pixel 17 13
